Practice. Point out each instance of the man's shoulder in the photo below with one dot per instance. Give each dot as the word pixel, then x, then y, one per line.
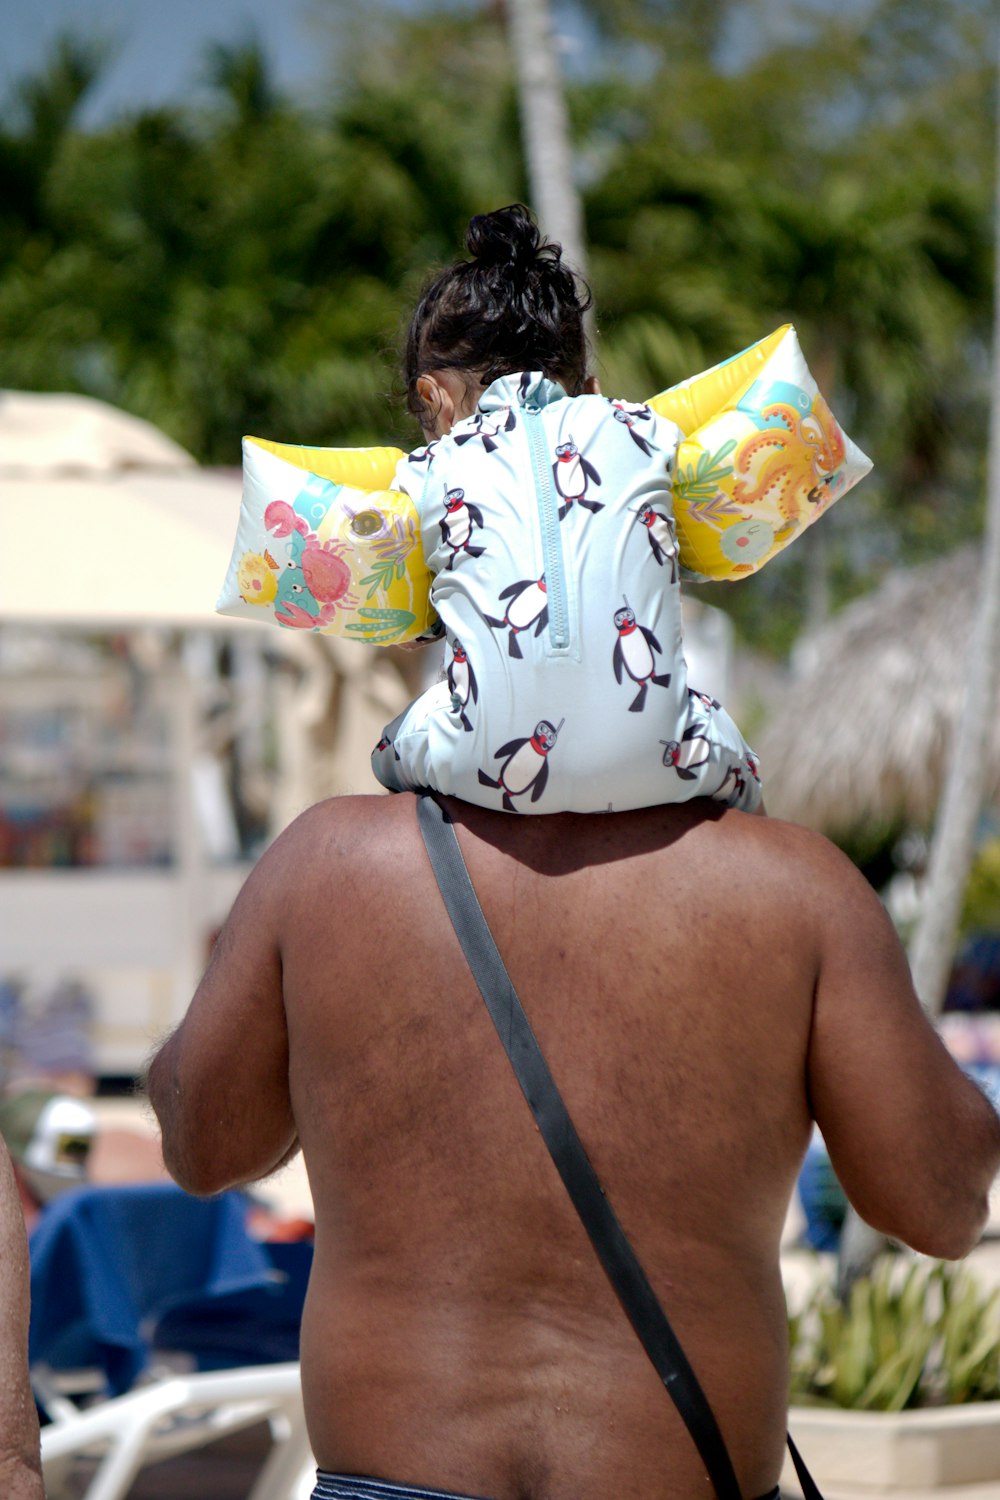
pixel 345 829
pixel 793 846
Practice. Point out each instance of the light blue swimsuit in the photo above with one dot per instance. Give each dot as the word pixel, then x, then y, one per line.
pixel 548 527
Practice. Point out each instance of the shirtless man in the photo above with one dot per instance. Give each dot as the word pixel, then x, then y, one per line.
pixel 704 984
pixel 20 1462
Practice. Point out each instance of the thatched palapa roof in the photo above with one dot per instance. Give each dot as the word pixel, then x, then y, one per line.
pixel 864 732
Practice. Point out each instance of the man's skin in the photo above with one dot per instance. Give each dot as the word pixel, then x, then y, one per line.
pixel 704 984
pixel 20 1462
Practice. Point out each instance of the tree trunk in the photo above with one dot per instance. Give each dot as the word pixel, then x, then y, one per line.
pixel 545 128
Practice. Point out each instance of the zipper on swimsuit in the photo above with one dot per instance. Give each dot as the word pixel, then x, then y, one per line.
pixel 548 515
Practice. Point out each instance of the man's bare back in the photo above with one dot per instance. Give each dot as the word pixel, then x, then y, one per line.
pixel 703 984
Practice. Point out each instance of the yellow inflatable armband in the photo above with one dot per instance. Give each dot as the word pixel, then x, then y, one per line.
pixel 762 458
pixel 323 544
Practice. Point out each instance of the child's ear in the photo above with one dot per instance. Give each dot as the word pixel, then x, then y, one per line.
pixel 439 417
pixel 591 386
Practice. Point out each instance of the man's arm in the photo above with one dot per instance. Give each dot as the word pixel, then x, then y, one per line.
pixel 914 1142
pixel 20 1462
pixel 219 1083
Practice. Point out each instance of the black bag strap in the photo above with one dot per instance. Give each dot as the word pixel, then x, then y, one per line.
pixel 614 1251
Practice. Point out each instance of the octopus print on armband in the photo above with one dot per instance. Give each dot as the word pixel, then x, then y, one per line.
pixel 573 474
pixel 525 764
pixel 688 753
pixel 630 415
pixel 461 684
pixel 529 605
pixel 457 523
pixel 633 655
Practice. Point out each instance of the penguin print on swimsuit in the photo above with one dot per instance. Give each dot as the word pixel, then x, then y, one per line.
pixel 732 788
pixel 461 683
pixel 529 605
pixel 423 455
pixel 738 778
pixel 688 753
pixel 630 415
pixel 457 523
pixel 660 530
pixel 385 743
pixel 487 428
pixel 573 474
pixel 526 766
pixel 633 655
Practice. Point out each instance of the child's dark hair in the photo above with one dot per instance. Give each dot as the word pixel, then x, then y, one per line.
pixel 514 306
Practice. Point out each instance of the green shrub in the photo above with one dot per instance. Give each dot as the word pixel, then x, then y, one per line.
pixel 914 1333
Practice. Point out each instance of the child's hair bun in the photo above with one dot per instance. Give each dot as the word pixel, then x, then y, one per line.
pixel 514 306
pixel 506 237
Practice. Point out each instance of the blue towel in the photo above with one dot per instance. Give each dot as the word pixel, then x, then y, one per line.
pixel 107 1263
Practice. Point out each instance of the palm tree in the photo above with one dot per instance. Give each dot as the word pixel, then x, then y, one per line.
pixel 545 128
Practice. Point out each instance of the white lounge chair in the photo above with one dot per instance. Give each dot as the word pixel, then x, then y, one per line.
pixel 177 1415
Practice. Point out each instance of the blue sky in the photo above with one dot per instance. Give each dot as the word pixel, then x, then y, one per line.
pixel 160 44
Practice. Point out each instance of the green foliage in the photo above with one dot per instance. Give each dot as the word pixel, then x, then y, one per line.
pixel 248 264
pixel 912 1334
pixel 981 904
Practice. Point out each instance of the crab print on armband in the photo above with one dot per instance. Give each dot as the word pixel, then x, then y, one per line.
pixel 705 699
pixel 573 475
pixel 457 523
pixel 662 541
pixel 525 764
pixel 315 581
pixel 633 656
pixel 630 415
pixel 687 754
pixel 461 684
pixel 487 427
pixel 529 605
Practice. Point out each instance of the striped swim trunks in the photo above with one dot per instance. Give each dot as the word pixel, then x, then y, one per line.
pixel 357 1487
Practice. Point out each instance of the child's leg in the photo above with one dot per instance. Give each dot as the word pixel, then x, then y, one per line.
pixel 403 760
pixel 729 773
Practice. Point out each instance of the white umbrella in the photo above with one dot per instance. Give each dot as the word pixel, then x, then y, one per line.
pixel 126 548
pixel 104 521
pixel 46 432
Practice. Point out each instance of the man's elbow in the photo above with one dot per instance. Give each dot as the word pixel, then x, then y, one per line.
pixel 955 1232
pixel 21 1473
pixel 202 1179
pixel 203 1174
pixel 944 1225
pixel 199 1171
